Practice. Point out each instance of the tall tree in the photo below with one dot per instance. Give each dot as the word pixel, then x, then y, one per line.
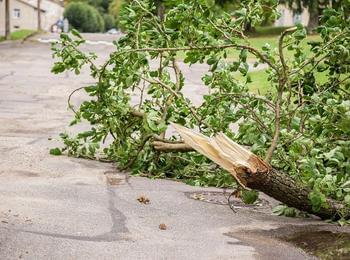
pixel 115 6
pixel 7 19
pixel 39 15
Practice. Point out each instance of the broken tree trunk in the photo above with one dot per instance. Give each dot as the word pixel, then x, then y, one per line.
pixel 254 173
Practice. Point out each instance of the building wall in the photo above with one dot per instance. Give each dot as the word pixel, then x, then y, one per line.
pixel 290 18
pixel 53 12
pixel 28 19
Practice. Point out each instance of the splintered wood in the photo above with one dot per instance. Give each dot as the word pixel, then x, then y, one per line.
pixel 223 151
pixel 252 172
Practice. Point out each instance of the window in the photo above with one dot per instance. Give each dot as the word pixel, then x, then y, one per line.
pixel 16 13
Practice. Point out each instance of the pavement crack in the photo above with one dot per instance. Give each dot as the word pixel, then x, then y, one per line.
pixel 7 75
pixel 117 232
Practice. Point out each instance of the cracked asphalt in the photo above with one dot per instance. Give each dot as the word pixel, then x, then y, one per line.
pixel 66 208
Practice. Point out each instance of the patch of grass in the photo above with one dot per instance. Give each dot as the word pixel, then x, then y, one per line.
pixel 19 35
pixel 260 85
pixel 259 82
pixel 265 31
pixel 259 42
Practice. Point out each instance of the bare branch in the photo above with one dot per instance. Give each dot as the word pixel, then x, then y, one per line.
pixel 171 147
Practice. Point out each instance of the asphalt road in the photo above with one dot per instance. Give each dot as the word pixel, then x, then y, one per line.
pixel 65 208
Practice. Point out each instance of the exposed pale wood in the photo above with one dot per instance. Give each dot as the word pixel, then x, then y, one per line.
pixel 252 172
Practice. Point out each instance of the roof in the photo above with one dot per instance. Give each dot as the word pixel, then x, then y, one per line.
pixel 59 2
pixel 31 5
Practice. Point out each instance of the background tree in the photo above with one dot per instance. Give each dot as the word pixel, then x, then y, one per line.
pixel 7 20
pixel 314 8
pixel 109 21
pixel 39 14
pixel 115 6
pixel 84 17
pixel 102 6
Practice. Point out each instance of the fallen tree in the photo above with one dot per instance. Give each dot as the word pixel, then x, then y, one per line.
pixel 254 173
pixel 298 120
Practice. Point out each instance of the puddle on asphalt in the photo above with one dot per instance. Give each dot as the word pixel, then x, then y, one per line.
pixel 315 240
pixel 322 244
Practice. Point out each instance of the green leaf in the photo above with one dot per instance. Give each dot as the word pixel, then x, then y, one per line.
pixel 210 3
pixel 58 67
pixel 76 33
pixel 347 199
pixel 152 119
pixel 318 200
pixel 55 151
pixel 283 210
pixel 250 196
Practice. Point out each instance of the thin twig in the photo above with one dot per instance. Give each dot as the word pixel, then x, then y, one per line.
pixel 70 106
pixel 139 150
pixel 179 96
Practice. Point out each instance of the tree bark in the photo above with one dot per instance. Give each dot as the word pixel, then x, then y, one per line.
pixel 282 187
pixel 171 147
pixel 39 15
pixel 7 20
pixel 254 173
pixel 314 15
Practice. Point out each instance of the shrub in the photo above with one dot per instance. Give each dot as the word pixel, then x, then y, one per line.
pixel 83 17
pixel 109 22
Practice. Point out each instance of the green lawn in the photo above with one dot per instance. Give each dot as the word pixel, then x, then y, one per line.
pixel 19 35
pixel 267 31
pixel 259 78
pixel 259 42
pixel 261 85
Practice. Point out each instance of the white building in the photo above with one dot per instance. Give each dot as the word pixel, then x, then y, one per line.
pixel 24 14
pixel 290 17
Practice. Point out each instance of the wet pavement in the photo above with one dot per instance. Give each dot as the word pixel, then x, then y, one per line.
pixel 66 208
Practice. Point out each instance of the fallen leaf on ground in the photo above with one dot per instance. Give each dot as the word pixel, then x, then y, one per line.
pixel 144 200
pixel 162 226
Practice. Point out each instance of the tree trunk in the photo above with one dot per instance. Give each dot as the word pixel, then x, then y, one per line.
pixel 7 20
pixel 254 173
pixel 39 15
pixel 314 15
pixel 282 187
pixel 249 28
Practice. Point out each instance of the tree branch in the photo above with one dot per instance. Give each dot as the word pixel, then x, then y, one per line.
pixel 171 147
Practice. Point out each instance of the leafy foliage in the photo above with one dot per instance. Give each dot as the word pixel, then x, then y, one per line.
pixel 109 21
pixel 300 126
pixel 84 17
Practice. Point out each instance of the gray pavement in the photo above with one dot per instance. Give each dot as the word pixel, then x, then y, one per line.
pixel 66 208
